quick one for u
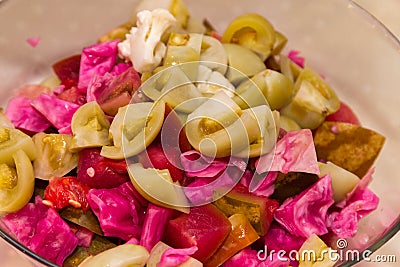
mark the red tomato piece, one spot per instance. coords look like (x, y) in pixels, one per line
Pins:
(344, 114)
(99, 172)
(64, 191)
(205, 227)
(67, 70)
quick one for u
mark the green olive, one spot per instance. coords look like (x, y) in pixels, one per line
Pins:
(119, 256)
(157, 187)
(252, 31)
(268, 85)
(117, 33)
(54, 155)
(134, 127)
(213, 51)
(183, 47)
(289, 68)
(288, 124)
(243, 61)
(90, 127)
(12, 140)
(219, 128)
(16, 184)
(314, 100)
(280, 42)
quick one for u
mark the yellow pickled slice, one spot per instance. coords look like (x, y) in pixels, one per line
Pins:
(134, 127)
(90, 127)
(177, 8)
(243, 61)
(268, 132)
(16, 184)
(157, 187)
(12, 140)
(118, 32)
(315, 253)
(183, 47)
(314, 100)
(219, 128)
(54, 156)
(343, 181)
(174, 86)
(288, 124)
(252, 31)
(127, 255)
(275, 88)
(51, 81)
(280, 42)
(213, 51)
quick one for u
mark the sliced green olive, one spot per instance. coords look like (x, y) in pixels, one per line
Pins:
(117, 33)
(218, 127)
(314, 100)
(268, 132)
(16, 183)
(90, 127)
(157, 187)
(177, 8)
(12, 140)
(280, 42)
(174, 86)
(54, 155)
(289, 68)
(243, 61)
(343, 181)
(252, 31)
(183, 47)
(275, 88)
(51, 82)
(213, 51)
(134, 127)
(209, 82)
(127, 255)
(5, 121)
(288, 124)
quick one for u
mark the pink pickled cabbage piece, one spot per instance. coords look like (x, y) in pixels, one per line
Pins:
(172, 257)
(344, 223)
(42, 230)
(306, 213)
(265, 187)
(358, 203)
(97, 59)
(201, 190)
(84, 235)
(294, 152)
(59, 112)
(133, 241)
(198, 165)
(33, 41)
(277, 238)
(98, 83)
(117, 210)
(294, 56)
(245, 258)
(155, 223)
(24, 116)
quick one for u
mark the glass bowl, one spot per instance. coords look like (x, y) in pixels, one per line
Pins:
(358, 56)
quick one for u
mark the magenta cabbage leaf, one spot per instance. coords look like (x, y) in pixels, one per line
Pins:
(172, 257)
(42, 230)
(306, 213)
(118, 210)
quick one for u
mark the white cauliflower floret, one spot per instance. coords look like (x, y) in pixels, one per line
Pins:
(143, 46)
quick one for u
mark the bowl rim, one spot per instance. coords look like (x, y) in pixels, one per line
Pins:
(386, 236)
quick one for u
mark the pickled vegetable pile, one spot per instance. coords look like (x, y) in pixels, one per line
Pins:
(166, 143)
